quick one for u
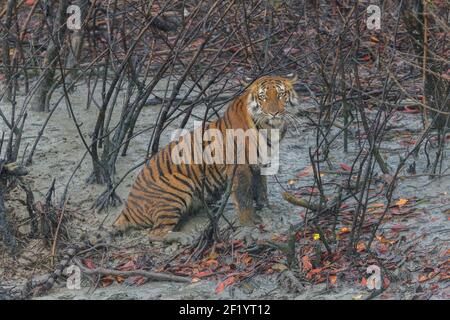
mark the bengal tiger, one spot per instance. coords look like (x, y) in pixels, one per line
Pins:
(164, 192)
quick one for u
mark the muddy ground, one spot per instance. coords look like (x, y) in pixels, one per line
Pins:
(426, 228)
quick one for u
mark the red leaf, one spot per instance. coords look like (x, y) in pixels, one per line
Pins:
(306, 263)
(130, 265)
(305, 172)
(386, 282)
(203, 274)
(221, 286)
(345, 167)
(364, 282)
(412, 109)
(88, 263)
(313, 272)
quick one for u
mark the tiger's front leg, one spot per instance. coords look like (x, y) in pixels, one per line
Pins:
(242, 193)
(259, 186)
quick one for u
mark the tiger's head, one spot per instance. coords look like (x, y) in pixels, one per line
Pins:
(269, 98)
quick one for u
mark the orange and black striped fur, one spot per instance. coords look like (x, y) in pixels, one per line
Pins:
(165, 192)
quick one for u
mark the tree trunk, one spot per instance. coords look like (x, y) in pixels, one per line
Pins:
(50, 62)
(7, 69)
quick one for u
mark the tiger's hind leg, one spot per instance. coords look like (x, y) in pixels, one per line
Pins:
(165, 222)
(131, 219)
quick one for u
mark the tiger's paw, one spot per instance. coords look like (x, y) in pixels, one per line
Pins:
(170, 237)
(249, 219)
(261, 202)
(179, 237)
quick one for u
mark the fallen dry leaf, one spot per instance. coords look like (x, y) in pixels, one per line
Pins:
(360, 247)
(279, 267)
(382, 239)
(107, 281)
(306, 263)
(386, 282)
(222, 285)
(364, 282)
(203, 274)
(401, 202)
(344, 230)
(130, 265)
(88, 263)
(345, 167)
(305, 172)
(333, 279)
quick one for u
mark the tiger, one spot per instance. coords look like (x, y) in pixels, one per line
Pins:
(165, 192)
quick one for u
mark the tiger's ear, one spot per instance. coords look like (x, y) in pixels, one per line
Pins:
(292, 77)
(246, 81)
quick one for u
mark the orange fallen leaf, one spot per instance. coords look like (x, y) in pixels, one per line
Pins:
(212, 263)
(344, 230)
(333, 279)
(401, 202)
(203, 274)
(360, 247)
(306, 263)
(247, 260)
(213, 255)
(382, 239)
(423, 278)
(228, 281)
(107, 281)
(313, 272)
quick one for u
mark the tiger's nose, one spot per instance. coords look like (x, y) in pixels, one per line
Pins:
(274, 113)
